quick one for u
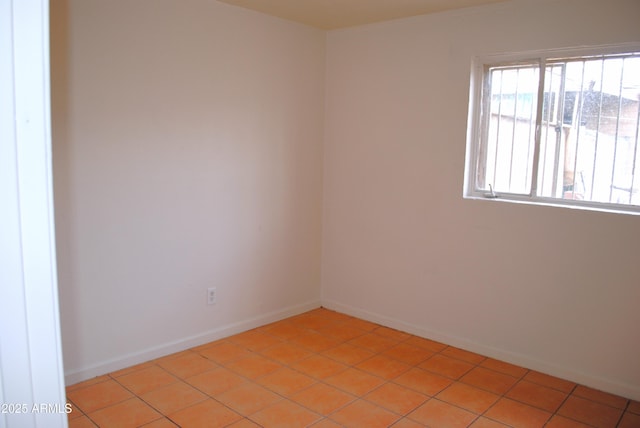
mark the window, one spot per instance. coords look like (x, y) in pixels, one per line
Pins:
(560, 128)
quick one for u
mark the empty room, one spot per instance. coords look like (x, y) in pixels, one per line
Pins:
(384, 213)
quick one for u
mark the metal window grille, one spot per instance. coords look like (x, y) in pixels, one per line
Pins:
(562, 128)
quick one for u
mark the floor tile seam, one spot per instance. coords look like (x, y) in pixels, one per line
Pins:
(342, 339)
(416, 390)
(519, 378)
(252, 349)
(395, 341)
(222, 363)
(354, 398)
(504, 395)
(313, 377)
(357, 396)
(432, 373)
(477, 418)
(361, 398)
(74, 405)
(419, 366)
(92, 421)
(176, 380)
(321, 416)
(340, 322)
(390, 337)
(469, 410)
(485, 414)
(430, 349)
(244, 357)
(571, 419)
(282, 366)
(317, 329)
(572, 394)
(375, 351)
(324, 417)
(567, 394)
(254, 382)
(435, 353)
(212, 396)
(600, 402)
(422, 361)
(501, 422)
(266, 330)
(393, 411)
(86, 413)
(385, 380)
(297, 345)
(247, 379)
(140, 395)
(319, 350)
(75, 388)
(207, 396)
(551, 414)
(238, 412)
(411, 364)
(635, 412)
(575, 385)
(476, 415)
(622, 415)
(315, 382)
(174, 421)
(318, 381)
(484, 357)
(323, 354)
(315, 353)
(270, 359)
(436, 398)
(183, 377)
(396, 422)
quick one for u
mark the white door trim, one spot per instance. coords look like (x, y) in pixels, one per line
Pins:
(31, 370)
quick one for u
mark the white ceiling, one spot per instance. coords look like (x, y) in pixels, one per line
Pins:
(332, 14)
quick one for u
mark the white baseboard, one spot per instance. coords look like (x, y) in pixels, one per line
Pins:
(602, 384)
(108, 366)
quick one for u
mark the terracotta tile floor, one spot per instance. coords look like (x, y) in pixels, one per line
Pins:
(326, 369)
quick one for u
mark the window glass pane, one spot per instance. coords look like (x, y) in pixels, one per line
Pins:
(589, 146)
(510, 129)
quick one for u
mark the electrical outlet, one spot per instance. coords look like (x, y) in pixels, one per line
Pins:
(211, 296)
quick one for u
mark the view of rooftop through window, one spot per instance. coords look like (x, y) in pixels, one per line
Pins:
(588, 129)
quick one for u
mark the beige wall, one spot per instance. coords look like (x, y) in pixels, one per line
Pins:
(551, 288)
(187, 154)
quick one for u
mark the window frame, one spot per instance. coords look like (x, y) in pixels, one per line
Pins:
(477, 126)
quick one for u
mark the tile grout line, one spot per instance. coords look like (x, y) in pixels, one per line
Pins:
(624, 411)
(314, 323)
(354, 366)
